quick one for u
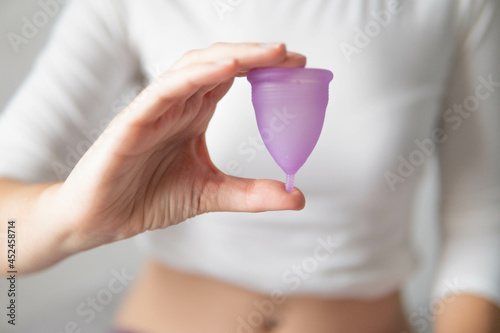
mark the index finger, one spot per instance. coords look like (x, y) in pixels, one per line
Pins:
(175, 87)
(248, 55)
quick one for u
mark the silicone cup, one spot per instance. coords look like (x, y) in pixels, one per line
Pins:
(290, 105)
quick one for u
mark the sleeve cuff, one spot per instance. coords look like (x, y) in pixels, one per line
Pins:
(470, 265)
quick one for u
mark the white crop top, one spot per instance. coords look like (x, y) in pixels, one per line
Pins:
(413, 80)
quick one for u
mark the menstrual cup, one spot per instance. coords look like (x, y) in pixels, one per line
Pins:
(290, 105)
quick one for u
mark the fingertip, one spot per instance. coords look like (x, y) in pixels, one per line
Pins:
(281, 50)
(274, 46)
(294, 60)
(278, 50)
(281, 47)
(301, 60)
(295, 55)
(271, 195)
(300, 199)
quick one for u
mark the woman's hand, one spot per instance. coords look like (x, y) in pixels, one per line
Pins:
(150, 169)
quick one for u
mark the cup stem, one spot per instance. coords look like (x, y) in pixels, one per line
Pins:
(289, 182)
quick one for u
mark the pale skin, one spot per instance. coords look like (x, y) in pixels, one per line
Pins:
(151, 169)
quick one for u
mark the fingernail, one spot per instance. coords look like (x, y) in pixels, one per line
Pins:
(272, 45)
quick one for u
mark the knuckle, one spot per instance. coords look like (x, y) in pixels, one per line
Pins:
(161, 95)
(190, 53)
(217, 44)
(191, 83)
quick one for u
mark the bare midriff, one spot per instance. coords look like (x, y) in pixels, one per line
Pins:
(166, 300)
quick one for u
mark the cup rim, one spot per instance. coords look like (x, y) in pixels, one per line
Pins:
(282, 74)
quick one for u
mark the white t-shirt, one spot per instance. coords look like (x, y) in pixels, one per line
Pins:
(413, 80)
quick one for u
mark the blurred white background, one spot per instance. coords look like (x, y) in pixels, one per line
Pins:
(48, 301)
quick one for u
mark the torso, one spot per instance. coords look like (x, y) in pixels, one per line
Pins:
(383, 97)
(166, 300)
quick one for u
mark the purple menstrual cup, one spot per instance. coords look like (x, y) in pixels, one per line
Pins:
(290, 105)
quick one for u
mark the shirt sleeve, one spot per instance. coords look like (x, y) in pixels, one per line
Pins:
(70, 94)
(470, 162)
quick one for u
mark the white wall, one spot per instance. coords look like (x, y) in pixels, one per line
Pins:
(48, 301)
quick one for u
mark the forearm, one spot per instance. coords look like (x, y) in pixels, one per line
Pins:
(467, 313)
(40, 238)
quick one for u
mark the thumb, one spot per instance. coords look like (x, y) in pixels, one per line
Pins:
(233, 194)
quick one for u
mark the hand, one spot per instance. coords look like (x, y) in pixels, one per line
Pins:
(150, 169)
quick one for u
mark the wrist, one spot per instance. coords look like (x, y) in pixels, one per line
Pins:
(48, 232)
(67, 218)
(62, 220)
